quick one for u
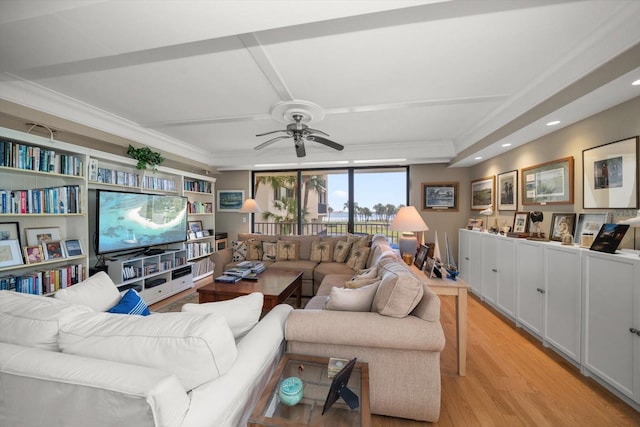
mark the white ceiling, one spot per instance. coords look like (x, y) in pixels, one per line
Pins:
(424, 81)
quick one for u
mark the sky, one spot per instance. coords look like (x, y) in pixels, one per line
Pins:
(370, 189)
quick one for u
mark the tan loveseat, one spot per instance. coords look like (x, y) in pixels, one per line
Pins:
(302, 259)
(400, 337)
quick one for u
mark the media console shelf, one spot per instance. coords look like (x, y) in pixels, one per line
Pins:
(155, 277)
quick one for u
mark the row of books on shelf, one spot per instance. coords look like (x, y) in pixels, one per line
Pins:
(202, 266)
(43, 282)
(157, 183)
(200, 207)
(52, 200)
(197, 249)
(130, 272)
(113, 176)
(197, 186)
(20, 156)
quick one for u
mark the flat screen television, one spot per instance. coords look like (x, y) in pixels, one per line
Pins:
(127, 221)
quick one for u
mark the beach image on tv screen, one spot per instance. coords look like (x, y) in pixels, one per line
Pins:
(134, 220)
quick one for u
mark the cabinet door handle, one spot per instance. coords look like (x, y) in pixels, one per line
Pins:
(634, 331)
(540, 290)
(467, 258)
(495, 270)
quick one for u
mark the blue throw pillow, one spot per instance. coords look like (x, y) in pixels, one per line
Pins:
(131, 303)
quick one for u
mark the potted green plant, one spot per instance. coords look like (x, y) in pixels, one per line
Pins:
(145, 157)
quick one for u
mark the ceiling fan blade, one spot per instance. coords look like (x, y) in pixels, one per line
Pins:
(326, 142)
(273, 131)
(316, 131)
(300, 151)
(269, 142)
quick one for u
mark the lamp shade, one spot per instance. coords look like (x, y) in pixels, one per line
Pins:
(408, 219)
(250, 206)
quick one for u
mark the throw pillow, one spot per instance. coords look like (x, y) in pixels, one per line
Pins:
(131, 303)
(239, 251)
(242, 313)
(269, 251)
(254, 250)
(321, 251)
(399, 291)
(196, 348)
(360, 299)
(358, 257)
(358, 283)
(286, 250)
(341, 251)
(368, 273)
(98, 292)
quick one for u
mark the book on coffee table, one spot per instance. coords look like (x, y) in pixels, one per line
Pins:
(228, 279)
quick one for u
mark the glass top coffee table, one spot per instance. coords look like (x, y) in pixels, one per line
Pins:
(313, 371)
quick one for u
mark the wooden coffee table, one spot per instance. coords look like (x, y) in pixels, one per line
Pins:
(276, 286)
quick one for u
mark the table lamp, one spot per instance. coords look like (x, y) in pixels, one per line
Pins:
(408, 221)
(250, 206)
(635, 223)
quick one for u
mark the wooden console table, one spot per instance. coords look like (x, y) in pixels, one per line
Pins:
(457, 288)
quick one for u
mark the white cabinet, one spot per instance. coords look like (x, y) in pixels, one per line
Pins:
(464, 258)
(489, 268)
(612, 321)
(562, 299)
(530, 294)
(506, 274)
(470, 256)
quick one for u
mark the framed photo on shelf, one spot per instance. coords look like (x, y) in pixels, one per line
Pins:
(609, 237)
(474, 223)
(548, 183)
(10, 231)
(507, 191)
(10, 253)
(589, 223)
(72, 247)
(195, 226)
(33, 254)
(42, 235)
(561, 223)
(230, 200)
(482, 195)
(440, 196)
(53, 250)
(421, 256)
(611, 175)
(520, 222)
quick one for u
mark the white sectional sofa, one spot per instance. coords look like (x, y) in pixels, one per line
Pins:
(63, 363)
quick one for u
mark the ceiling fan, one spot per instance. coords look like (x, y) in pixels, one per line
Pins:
(299, 132)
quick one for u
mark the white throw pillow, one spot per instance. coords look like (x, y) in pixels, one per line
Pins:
(242, 313)
(358, 299)
(98, 292)
(194, 347)
(34, 321)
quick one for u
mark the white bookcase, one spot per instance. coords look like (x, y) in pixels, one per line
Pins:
(84, 170)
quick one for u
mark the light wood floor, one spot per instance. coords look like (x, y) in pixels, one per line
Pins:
(511, 380)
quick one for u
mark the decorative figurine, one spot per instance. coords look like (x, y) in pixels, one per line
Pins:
(536, 220)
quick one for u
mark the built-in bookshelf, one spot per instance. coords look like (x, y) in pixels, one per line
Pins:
(50, 185)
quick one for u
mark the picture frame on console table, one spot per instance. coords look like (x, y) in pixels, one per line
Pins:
(589, 223)
(421, 256)
(440, 196)
(609, 238)
(520, 222)
(507, 191)
(482, 193)
(548, 183)
(611, 175)
(557, 221)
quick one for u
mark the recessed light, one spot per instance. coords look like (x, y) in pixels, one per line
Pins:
(553, 123)
(478, 158)
(506, 145)
(636, 83)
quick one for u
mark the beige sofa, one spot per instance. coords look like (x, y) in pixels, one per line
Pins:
(312, 271)
(400, 337)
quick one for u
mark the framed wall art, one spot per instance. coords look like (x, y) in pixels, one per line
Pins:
(9, 231)
(548, 183)
(507, 191)
(195, 226)
(440, 196)
(520, 222)
(561, 223)
(611, 175)
(10, 253)
(482, 193)
(589, 223)
(42, 235)
(230, 200)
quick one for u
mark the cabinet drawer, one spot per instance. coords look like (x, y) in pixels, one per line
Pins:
(155, 294)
